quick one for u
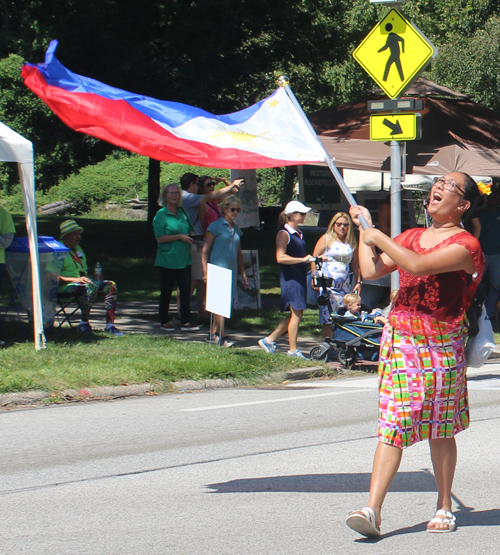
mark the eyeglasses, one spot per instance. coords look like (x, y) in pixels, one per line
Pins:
(301, 213)
(448, 184)
(341, 225)
(235, 210)
(172, 193)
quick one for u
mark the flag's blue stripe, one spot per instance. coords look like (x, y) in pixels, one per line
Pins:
(170, 113)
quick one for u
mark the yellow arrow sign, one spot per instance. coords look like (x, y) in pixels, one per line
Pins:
(393, 53)
(395, 127)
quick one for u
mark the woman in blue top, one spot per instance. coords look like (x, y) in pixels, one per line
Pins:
(292, 258)
(171, 227)
(222, 248)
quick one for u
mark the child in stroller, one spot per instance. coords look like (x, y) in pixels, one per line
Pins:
(355, 334)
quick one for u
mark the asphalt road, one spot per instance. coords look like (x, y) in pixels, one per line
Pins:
(235, 472)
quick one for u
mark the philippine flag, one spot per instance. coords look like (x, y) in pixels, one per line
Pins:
(270, 133)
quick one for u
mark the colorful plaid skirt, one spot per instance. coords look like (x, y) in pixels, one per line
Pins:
(422, 380)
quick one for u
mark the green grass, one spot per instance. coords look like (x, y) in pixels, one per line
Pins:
(75, 361)
(126, 251)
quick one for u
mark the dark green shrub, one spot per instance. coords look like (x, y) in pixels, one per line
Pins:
(121, 175)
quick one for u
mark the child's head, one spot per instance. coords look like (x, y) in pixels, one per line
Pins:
(352, 301)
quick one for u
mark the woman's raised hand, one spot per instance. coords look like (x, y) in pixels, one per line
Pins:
(356, 211)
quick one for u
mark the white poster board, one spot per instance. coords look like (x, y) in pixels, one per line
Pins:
(249, 216)
(219, 290)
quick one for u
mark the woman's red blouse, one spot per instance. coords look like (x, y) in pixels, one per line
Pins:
(445, 296)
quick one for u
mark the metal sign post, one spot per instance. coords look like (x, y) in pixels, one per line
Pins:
(393, 54)
(395, 200)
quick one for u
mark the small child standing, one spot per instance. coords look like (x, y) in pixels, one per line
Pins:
(352, 302)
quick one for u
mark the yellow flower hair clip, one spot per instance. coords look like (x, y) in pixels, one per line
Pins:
(483, 188)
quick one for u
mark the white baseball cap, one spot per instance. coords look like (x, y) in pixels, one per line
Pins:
(296, 206)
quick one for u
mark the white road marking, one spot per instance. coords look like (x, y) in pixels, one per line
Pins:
(488, 383)
(281, 400)
(357, 383)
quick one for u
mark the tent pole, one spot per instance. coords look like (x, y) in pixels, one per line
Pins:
(283, 82)
(27, 177)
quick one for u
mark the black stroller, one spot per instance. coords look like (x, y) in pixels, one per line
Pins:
(352, 339)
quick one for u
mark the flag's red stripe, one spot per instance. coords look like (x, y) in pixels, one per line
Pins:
(119, 123)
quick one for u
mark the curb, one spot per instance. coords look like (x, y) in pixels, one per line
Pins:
(34, 398)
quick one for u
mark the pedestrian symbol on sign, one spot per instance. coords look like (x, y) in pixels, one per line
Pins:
(393, 42)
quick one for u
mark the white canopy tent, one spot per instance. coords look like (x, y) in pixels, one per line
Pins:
(15, 148)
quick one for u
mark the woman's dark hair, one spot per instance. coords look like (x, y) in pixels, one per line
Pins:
(472, 194)
(201, 183)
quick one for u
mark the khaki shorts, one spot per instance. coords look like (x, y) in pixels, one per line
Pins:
(196, 268)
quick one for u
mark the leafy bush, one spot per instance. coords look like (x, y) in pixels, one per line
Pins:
(270, 184)
(59, 151)
(123, 175)
(120, 175)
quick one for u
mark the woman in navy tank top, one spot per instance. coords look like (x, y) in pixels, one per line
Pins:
(292, 257)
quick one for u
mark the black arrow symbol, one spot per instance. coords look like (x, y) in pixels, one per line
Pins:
(395, 127)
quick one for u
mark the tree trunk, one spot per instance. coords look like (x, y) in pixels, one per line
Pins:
(153, 192)
(290, 172)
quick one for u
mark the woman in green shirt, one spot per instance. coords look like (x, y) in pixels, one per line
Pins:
(171, 227)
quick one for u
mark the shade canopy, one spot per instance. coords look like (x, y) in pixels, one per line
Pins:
(457, 135)
(15, 148)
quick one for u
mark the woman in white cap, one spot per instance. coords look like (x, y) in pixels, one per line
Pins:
(292, 257)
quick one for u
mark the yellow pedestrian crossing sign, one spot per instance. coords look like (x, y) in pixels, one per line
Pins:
(393, 53)
(395, 127)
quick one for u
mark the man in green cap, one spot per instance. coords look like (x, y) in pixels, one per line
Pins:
(74, 280)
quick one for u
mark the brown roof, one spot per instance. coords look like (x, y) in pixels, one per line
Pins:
(457, 135)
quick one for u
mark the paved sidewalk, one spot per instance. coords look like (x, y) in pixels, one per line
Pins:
(142, 317)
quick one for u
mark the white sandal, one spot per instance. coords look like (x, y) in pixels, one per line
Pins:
(448, 518)
(364, 522)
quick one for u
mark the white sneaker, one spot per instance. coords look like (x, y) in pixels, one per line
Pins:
(296, 354)
(225, 342)
(267, 345)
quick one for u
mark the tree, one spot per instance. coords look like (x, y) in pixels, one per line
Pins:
(471, 66)
(59, 151)
(221, 55)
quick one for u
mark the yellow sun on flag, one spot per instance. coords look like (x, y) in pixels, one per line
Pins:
(239, 136)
